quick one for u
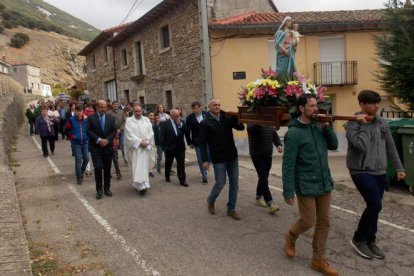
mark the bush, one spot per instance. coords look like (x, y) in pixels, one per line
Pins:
(1, 28)
(19, 40)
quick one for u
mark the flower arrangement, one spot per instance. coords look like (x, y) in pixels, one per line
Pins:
(269, 90)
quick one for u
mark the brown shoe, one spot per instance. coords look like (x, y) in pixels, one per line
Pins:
(289, 247)
(210, 207)
(322, 265)
(233, 214)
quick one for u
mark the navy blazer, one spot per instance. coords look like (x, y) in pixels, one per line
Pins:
(192, 133)
(94, 130)
(169, 140)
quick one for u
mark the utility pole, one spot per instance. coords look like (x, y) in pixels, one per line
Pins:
(205, 52)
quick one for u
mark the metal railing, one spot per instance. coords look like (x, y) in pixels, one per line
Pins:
(335, 73)
(396, 114)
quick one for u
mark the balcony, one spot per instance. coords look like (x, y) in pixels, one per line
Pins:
(335, 73)
(137, 78)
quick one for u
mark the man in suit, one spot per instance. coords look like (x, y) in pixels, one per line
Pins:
(192, 135)
(172, 140)
(101, 131)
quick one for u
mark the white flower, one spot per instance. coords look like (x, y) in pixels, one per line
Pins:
(258, 82)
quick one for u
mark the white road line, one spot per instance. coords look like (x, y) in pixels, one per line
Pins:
(105, 224)
(54, 168)
(357, 214)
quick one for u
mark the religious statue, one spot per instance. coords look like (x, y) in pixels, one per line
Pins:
(285, 50)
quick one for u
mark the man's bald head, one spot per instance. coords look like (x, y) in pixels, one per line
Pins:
(101, 106)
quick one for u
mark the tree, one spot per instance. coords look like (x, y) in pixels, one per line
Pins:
(19, 40)
(396, 52)
(58, 88)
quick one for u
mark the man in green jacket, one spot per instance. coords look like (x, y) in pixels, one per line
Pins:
(305, 172)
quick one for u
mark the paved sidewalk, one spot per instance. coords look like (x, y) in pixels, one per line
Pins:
(14, 254)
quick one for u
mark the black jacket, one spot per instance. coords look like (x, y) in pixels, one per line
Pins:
(262, 139)
(218, 135)
(94, 131)
(193, 129)
(168, 139)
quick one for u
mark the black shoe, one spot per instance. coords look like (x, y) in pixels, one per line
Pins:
(184, 184)
(99, 195)
(143, 191)
(45, 155)
(125, 162)
(79, 180)
(118, 177)
(151, 174)
(167, 179)
(205, 180)
(53, 152)
(108, 193)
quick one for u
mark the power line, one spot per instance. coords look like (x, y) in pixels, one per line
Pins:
(131, 10)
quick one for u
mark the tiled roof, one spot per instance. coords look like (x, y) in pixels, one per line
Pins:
(317, 17)
(103, 37)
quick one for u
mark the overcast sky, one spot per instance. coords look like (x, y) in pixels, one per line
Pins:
(104, 14)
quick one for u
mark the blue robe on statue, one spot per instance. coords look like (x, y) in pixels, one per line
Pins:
(285, 65)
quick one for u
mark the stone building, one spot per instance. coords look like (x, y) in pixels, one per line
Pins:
(28, 76)
(163, 57)
(4, 67)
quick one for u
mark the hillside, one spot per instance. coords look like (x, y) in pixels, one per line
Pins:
(55, 54)
(41, 15)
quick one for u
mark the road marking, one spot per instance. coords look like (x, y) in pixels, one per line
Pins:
(105, 224)
(52, 164)
(357, 214)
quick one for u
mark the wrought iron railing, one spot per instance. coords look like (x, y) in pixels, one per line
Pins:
(335, 73)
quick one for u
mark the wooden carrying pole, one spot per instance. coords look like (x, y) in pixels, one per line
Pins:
(331, 118)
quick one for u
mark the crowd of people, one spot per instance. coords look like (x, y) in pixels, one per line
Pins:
(100, 130)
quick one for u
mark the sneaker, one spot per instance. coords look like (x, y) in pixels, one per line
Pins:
(204, 181)
(376, 250)
(260, 202)
(79, 180)
(362, 249)
(272, 209)
(233, 214)
(210, 207)
(322, 265)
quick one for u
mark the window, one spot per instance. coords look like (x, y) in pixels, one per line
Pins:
(126, 95)
(15, 70)
(124, 58)
(138, 59)
(93, 62)
(142, 100)
(110, 88)
(168, 100)
(165, 37)
(106, 54)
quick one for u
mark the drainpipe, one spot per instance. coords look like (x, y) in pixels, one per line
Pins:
(205, 52)
(116, 85)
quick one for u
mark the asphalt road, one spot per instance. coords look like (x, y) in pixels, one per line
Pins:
(170, 232)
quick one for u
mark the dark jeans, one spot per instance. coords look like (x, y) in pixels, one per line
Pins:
(51, 140)
(180, 158)
(371, 187)
(56, 128)
(102, 160)
(263, 165)
(32, 126)
(62, 127)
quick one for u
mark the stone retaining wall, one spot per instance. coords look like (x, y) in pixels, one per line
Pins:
(14, 253)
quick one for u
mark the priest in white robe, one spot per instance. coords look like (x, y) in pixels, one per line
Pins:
(139, 143)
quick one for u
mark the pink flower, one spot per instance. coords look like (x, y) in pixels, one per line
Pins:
(291, 90)
(300, 77)
(266, 74)
(242, 94)
(321, 93)
(260, 92)
(272, 92)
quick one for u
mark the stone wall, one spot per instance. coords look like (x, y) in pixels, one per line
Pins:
(177, 68)
(14, 254)
(219, 9)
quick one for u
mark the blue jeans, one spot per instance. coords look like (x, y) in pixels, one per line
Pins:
(81, 158)
(371, 187)
(200, 162)
(121, 143)
(159, 158)
(220, 170)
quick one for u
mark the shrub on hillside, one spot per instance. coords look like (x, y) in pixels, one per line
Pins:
(19, 40)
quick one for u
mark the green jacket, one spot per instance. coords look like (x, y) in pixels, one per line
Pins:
(305, 169)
